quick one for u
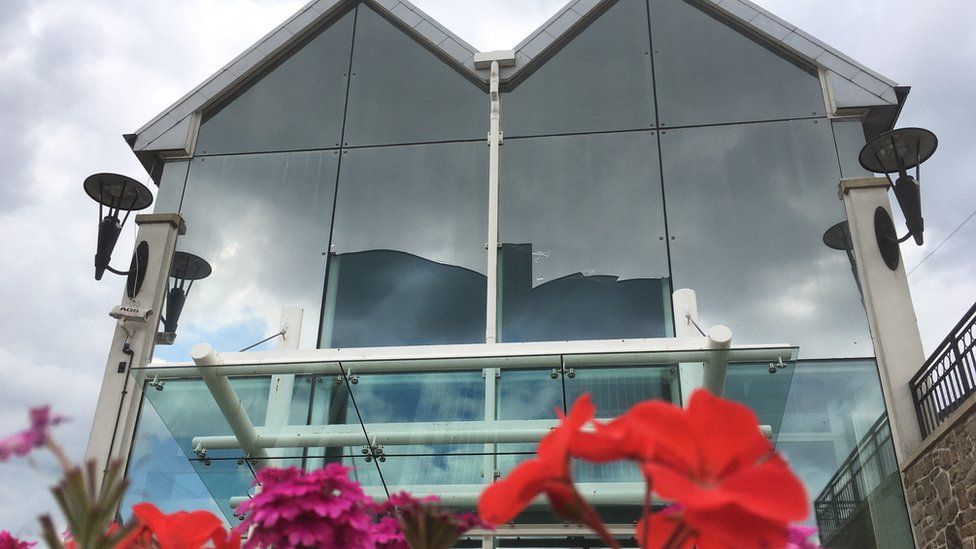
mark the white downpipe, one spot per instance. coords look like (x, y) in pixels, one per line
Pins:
(494, 146)
(227, 400)
(283, 386)
(720, 339)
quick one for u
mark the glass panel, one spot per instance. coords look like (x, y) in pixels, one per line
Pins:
(171, 185)
(189, 410)
(615, 390)
(285, 202)
(412, 472)
(159, 471)
(746, 235)
(578, 90)
(529, 394)
(834, 433)
(403, 93)
(425, 397)
(710, 72)
(849, 137)
(410, 233)
(569, 271)
(763, 392)
(298, 104)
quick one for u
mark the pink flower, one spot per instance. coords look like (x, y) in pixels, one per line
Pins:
(388, 535)
(7, 541)
(320, 509)
(799, 537)
(20, 444)
(412, 522)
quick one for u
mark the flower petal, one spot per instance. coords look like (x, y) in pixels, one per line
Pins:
(769, 489)
(728, 433)
(505, 499)
(732, 528)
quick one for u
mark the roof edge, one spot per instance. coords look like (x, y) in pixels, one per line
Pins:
(166, 133)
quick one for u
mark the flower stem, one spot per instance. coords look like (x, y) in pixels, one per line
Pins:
(678, 537)
(59, 453)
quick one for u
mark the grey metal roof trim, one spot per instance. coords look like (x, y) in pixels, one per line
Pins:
(171, 133)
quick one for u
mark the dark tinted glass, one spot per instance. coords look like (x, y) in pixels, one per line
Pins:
(403, 93)
(708, 71)
(580, 89)
(409, 245)
(296, 105)
(849, 137)
(747, 206)
(262, 222)
(171, 184)
(582, 227)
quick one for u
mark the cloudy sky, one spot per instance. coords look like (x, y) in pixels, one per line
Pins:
(75, 75)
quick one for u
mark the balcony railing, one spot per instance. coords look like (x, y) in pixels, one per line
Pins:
(862, 472)
(948, 377)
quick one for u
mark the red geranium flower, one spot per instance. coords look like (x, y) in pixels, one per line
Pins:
(711, 459)
(180, 530)
(548, 473)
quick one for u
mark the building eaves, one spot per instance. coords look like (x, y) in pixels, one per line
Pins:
(171, 126)
(171, 133)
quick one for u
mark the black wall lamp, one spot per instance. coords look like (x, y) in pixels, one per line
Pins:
(118, 193)
(186, 269)
(838, 237)
(897, 152)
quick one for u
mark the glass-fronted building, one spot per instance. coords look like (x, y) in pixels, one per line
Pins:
(341, 165)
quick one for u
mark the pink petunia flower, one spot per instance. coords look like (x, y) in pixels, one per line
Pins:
(412, 522)
(36, 436)
(323, 509)
(799, 537)
(7, 541)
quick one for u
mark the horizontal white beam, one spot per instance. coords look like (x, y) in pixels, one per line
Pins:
(394, 434)
(388, 434)
(542, 355)
(466, 495)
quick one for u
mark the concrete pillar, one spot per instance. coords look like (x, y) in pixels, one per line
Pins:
(132, 346)
(891, 315)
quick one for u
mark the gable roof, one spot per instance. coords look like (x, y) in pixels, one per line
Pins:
(852, 86)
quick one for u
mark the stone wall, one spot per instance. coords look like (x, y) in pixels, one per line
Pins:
(940, 483)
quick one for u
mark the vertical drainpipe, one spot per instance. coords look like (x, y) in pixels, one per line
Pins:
(492, 61)
(494, 146)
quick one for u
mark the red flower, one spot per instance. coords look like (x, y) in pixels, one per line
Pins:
(711, 459)
(180, 530)
(548, 473)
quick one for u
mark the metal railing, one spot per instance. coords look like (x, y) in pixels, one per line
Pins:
(867, 466)
(948, 377)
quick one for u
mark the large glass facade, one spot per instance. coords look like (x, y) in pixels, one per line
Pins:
(658, 147)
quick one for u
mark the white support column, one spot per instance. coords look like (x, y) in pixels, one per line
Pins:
(231, 406)
(132, 346)
(494, 153)
(283, 386)
(891, 315)
(685, 306)
(720, 339)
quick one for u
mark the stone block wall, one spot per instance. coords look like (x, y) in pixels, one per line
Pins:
(940, 484)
